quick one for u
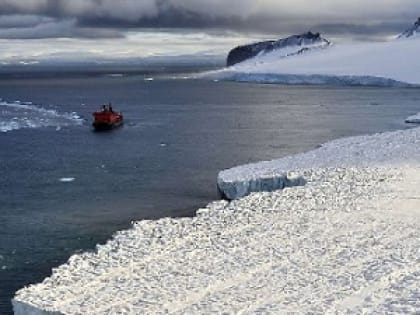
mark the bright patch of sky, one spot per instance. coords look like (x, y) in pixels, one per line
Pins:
(135, 45)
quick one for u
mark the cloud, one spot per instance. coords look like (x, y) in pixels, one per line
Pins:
(37, 27)
(15, 21)
(127, 10)
(23, 6)
(43, 29)
(271, 16)
(124, 10)
(131, 10)
(106, 29)
(133, 48)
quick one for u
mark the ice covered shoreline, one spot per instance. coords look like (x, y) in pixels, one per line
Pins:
(362, 151)
(306, 79)
(346, 240)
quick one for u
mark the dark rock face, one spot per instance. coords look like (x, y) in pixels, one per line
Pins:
(242, 53)
(415, 29)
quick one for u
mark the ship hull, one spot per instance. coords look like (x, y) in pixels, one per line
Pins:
(104, 126)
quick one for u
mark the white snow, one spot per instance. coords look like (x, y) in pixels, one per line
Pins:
(292, 50)
(381, 149)
(347, 242)
(415, 119)
(393, 63)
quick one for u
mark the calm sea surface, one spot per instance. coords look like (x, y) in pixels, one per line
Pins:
(64, 188)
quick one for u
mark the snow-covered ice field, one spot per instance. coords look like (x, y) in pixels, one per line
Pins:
(347, 241)
(391, 63)
(363, 151)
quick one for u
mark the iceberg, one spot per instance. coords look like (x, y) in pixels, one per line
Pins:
(415, 119)
(67, 179)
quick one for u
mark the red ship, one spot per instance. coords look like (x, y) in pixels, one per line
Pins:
(107, 119)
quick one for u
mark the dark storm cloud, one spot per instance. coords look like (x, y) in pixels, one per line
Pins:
(79, 18)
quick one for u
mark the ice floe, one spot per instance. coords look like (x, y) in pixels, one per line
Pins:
(415, 119)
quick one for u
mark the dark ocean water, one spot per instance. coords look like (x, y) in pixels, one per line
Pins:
(163, 162)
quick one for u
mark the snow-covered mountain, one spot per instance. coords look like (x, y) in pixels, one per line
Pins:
(391, 63)
(295, 44)
(412, 31)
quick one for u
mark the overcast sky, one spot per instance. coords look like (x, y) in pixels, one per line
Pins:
(118, 19)
(110, 18)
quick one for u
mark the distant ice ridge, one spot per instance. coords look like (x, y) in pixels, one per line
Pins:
(18, 115)
(392, 63)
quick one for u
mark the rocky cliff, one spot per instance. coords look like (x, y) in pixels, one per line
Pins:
(412, 31)
(291, 45)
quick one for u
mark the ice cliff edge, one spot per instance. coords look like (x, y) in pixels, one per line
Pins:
(269, 182)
